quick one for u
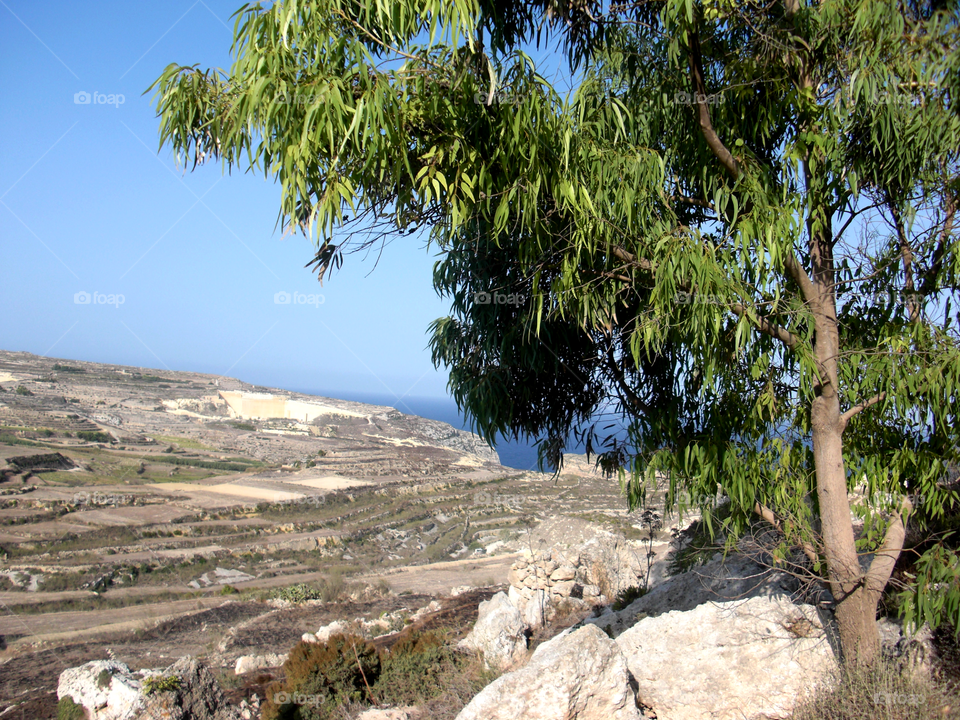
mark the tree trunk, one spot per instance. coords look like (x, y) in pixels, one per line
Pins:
(856, 608)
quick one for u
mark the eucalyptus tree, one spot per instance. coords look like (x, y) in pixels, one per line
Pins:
(736, 234)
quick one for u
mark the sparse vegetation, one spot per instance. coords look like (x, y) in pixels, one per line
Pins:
(882, 692)
(184, 442)
(67, 709)
(160, 683)
(627, 596)
(327, 676)
(95, 436)
(21, 390)
(67, 368)
(420, 669)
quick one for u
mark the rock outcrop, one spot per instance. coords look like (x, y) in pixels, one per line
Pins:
(580, 675)
(108, 690)
(735, 577)
(576, 560)
(249, 663)
(387, 714)
(499, 634)
(742, 660)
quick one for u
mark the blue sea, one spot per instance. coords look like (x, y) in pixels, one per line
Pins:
(519, 455)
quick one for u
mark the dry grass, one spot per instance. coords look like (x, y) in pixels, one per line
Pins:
(881, 693)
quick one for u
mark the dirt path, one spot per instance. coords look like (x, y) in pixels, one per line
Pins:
(70, 625)
(440, 578)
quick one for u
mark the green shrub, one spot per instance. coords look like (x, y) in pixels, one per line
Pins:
(205, 464)
(322, 677)
(324, 680)
(67, 368)
(160, 683)
(627, 596)
(67, 709)
(415, 670)
(229, 590)
(297, 593)
(21, 390)
(104, 679)
(328, 590)
(95, 436)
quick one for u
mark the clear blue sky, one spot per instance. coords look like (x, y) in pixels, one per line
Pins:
(87, 205)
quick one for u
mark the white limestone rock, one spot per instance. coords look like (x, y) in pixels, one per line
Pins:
(499, 634)
(105, 688)
(579, 675)
(742, 660)
(249, 663)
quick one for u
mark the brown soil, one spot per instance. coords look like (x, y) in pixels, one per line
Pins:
(28, 676)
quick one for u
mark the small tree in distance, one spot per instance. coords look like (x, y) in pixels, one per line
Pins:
(737, 235)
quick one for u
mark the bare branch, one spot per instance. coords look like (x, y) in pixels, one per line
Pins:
(799, 274)
(629, 257)
(765, 326)
(768, 515)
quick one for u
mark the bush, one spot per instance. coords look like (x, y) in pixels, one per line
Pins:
(297, 593)
(627, 596)
(329, 590)
(21, 390)
(94, 436)
(321, 677)
(415, 670)
(67, 709)
(159, 683)
(205, 464)
(332, 588)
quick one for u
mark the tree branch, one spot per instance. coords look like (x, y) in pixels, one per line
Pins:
(859, 408)
(765, 326)
(799, 274)
(629, 257)
(768, 515)
(703, 111)
(881, 567)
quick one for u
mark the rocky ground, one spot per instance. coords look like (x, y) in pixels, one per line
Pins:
(141, 514)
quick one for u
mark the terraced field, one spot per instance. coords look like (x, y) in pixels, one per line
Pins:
(138, 506)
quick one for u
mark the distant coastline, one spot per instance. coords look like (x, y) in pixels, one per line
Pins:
(519, 455)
